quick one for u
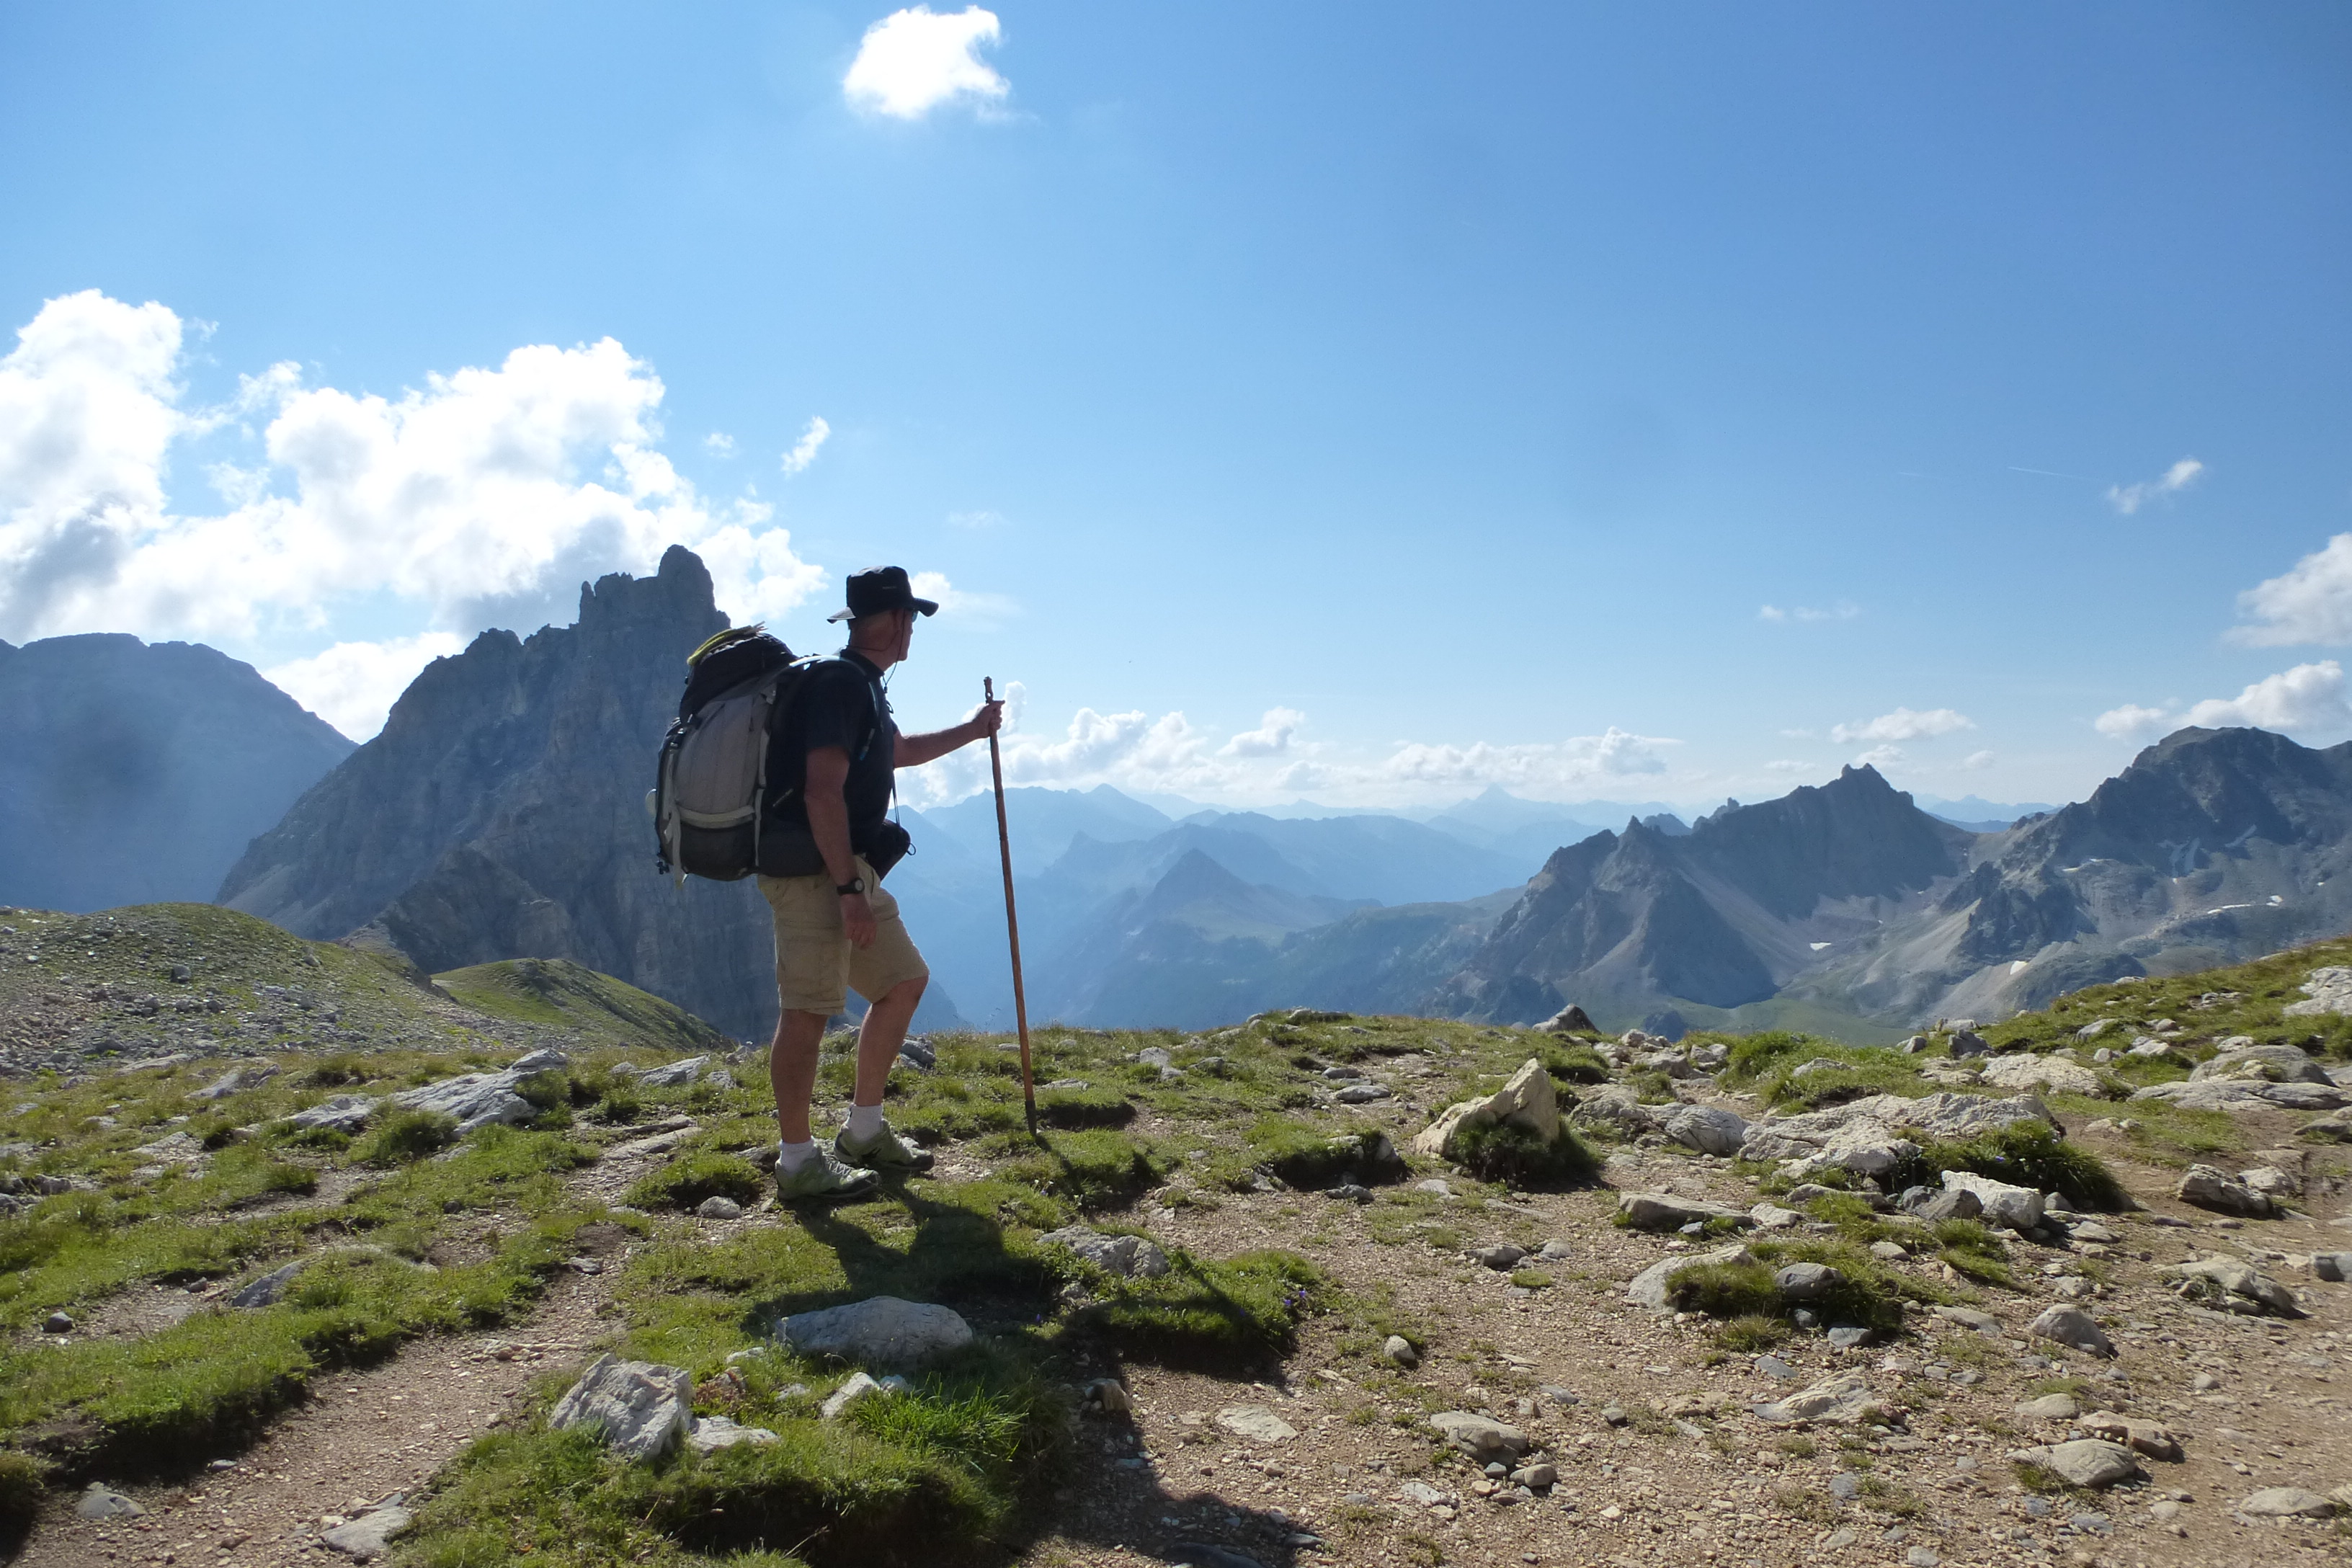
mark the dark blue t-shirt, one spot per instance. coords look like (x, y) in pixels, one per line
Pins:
(842, 705)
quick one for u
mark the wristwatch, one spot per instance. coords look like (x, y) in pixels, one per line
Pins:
(855, 885)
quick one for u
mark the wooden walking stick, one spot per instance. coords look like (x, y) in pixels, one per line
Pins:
(1011, 922)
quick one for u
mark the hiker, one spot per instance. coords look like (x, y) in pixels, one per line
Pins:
(840, 927)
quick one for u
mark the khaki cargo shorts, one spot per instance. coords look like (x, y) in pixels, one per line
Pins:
(816, 965)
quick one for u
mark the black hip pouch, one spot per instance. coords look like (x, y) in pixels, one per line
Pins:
(892, 844)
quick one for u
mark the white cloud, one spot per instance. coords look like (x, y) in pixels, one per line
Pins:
(805, 449)
(719, 444)
(975, 611)
(1879, 757)
(2308, 697)
(2129, 498)
(484, 498)
(1842, 611)
(1786, 765)
(353, 685)
(2132, 723)
(1976, 762)
(1271, 738)
(1903, 724)
(2310, 603)
(982, 519)
(1618, 753)
(914, 60)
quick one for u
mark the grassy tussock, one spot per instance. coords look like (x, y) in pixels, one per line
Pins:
(1516, 1157)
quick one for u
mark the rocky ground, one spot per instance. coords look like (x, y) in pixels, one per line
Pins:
(1473, 1383)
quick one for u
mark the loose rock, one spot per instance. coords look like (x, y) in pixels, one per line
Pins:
(1129, 1257)
(1488, 1441)
(2085, 1462)
(712, 1433)
(881, 1331)
(1665, 1211)
(1844, 1400)
(2071, 1327)
(1528, 1101)
(2212, 1189)
(1256, 1422)
(370, 1535)
(642, 1408)
(2286, 1502)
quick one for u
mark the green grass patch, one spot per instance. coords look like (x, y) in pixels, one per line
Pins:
(2033, 1154)
(1074, 1108)
(1520, 1157)
(697, 1173)
(1309, 1158)
(404, 1137)
(1750, 1334)
(1242, 1311)
(1095, 1169)
(1573, 1062)
(23, 1481)
(1972, 1249)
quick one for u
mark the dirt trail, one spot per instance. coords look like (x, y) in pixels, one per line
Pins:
(361, 1437)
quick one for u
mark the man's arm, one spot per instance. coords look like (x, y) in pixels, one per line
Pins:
(828, 820)
(914, 751)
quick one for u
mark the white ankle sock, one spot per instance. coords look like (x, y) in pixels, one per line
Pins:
(865, 1121)
(790, 1157)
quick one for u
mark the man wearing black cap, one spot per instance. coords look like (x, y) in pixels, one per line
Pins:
(839, 929)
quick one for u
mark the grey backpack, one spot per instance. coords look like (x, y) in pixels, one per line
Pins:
(712, 800)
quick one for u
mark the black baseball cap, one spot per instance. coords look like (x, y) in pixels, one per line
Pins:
(880, 588)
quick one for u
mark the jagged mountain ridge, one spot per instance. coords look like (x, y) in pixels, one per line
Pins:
(502, 814)
(1724, 915)
(2213, 845)
(138, 772)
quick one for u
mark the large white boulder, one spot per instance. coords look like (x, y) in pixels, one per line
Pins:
(476, 1100)
(1528, 1101)
(1706, 1128)
(2005, 1204)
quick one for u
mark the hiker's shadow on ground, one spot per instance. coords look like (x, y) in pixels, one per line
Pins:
(1113, 1494)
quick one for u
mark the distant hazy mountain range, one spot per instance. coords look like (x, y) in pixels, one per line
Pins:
(136, 773)
(500, 813)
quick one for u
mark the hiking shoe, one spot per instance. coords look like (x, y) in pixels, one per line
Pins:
(886, 1152)
(823, 1177)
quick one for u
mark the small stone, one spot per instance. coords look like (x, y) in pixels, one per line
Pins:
(2049, 1408)
(2084, 1462)
(1129, 1257)
(1108, 1396)
(1479, 1437)
(718, 1207)
(1806, 1281)
(1969, 1317)
(1256, 1422)
(2286, 1502)
(641, 1409)
(370, 1535)
(1845, 1399)
(712, 1433)
(99, 1501)
(674, 1075)
(1363, 1093)
(2335, 1266)
(57, 1323)
(1499, 1257)
(1614, 1415)
(860, 1387)
(1400, 1349)
(1845, 1487)
(1537, 1477)
(1773, 1367)
(1888, 1251)
(881, 1331)
(2071, 1327)
(1665, 1211)
(1846, 1338)
(1921, 1557)
(2208, 1188)
(1200, 1554)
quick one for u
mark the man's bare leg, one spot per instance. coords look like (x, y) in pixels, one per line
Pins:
(792, 1071)
(881, 1034)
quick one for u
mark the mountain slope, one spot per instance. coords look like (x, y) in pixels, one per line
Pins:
(2213, 845)
(502, 814)
(1724, 915)
(138, 772)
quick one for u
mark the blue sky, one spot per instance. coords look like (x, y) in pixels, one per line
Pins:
(1364, 402)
